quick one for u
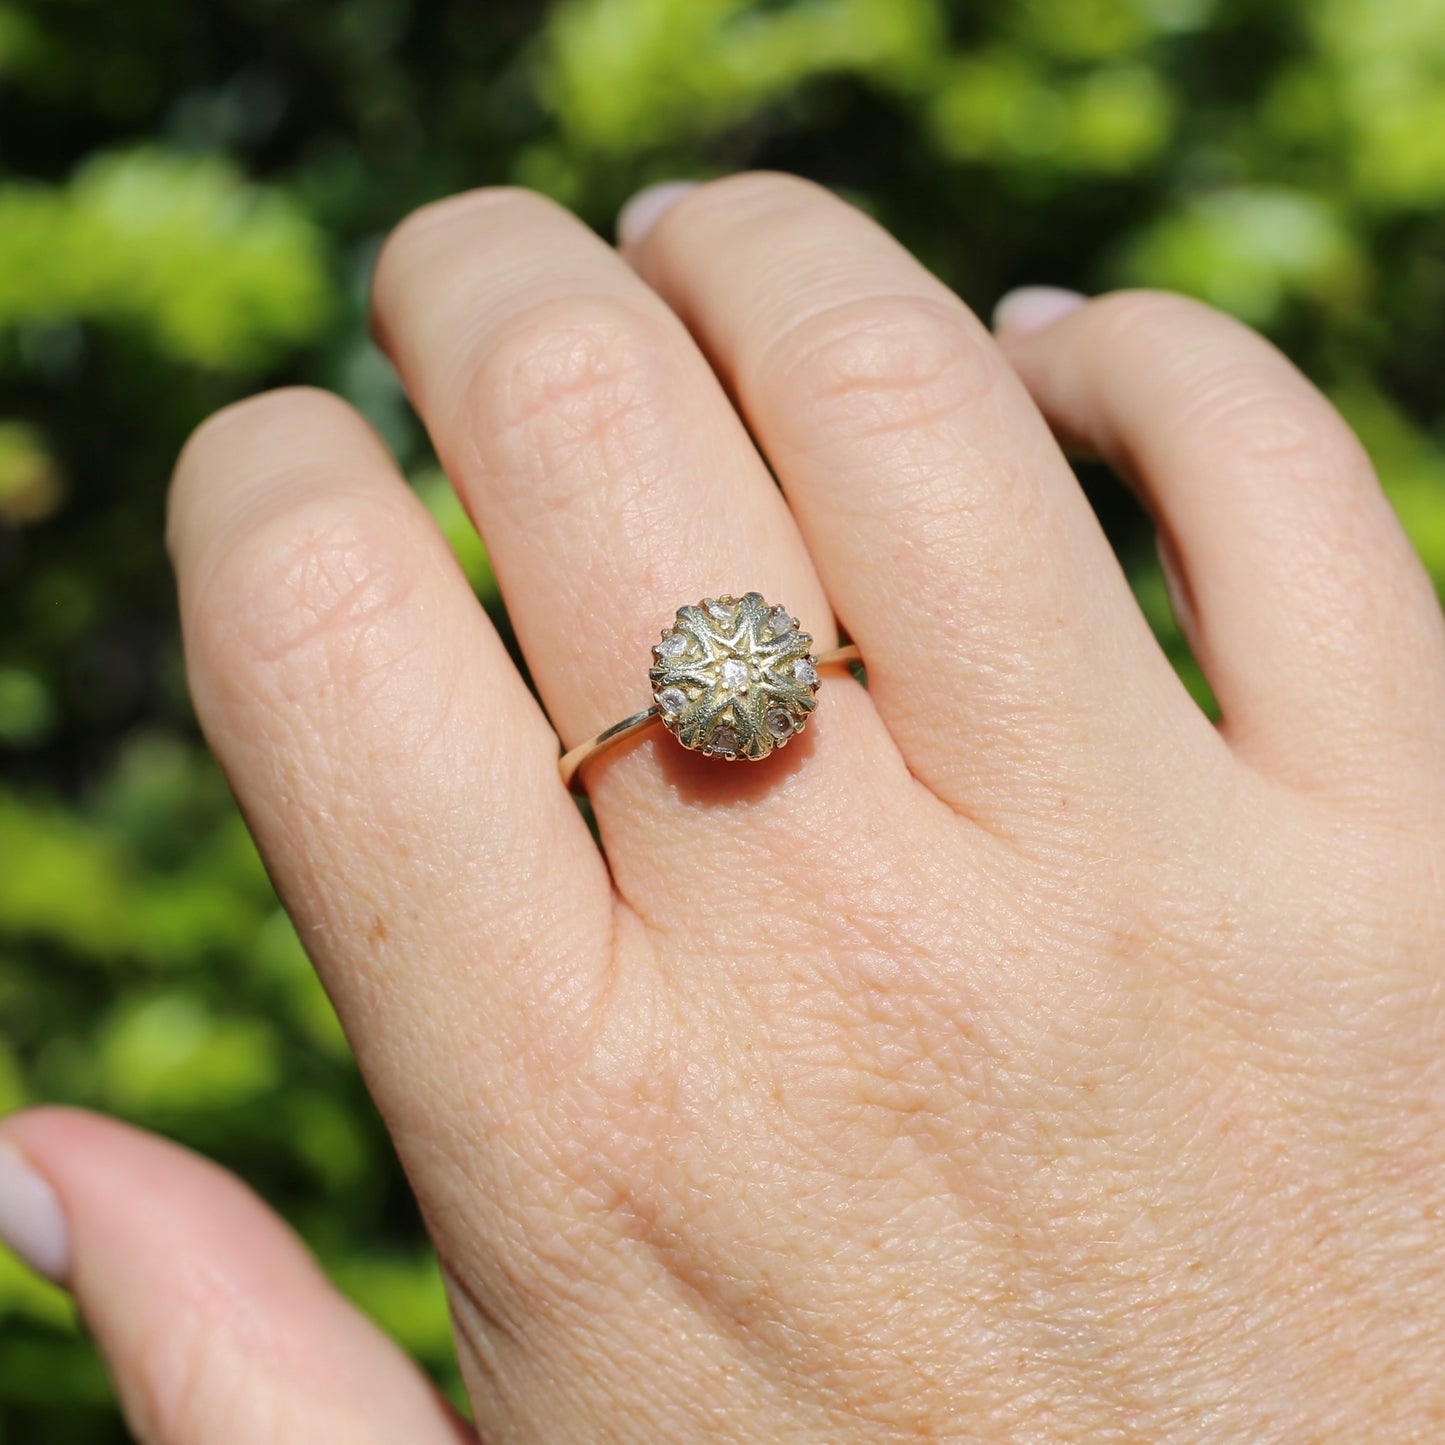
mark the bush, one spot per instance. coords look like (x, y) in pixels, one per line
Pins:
(190, 201)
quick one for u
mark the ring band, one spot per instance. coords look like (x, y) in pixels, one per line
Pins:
(732, 678)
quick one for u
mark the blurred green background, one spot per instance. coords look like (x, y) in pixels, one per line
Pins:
(191, 195)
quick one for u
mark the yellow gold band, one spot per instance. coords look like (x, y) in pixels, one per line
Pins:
(639, 722)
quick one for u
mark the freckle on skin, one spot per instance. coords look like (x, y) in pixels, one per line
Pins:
(377, 932)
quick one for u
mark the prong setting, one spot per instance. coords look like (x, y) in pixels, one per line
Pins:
(734, 677)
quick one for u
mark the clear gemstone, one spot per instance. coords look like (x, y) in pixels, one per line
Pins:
(739, 671)
(779, 721)
(724, 739)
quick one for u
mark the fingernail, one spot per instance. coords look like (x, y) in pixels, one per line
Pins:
(641, 213)
(1031, 308)
(31, 1220)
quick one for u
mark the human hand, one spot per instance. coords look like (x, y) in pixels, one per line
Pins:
(1014, 1057)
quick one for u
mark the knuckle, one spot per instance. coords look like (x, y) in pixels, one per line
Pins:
(756, 197)
(1140, 314)
(208, 1373)
(433, 224)
(1140, 323)
(1247, 401)
(1248, 405)
(780, 212)
(291, 422)
(1288, 430)
(314, 599)
(1309, 482)
(568, 393)
(284, 406)
(285, 416)
(883, 366)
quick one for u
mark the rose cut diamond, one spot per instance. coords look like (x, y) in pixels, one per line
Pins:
(724, 739)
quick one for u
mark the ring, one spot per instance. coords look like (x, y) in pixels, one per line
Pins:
(730, 678)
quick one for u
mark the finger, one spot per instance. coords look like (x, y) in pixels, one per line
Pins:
(613, 483)
(214, 1320)
(1306, 606)
(1004, 649)
(398, 776)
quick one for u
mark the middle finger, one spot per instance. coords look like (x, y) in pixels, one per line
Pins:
(613, 483)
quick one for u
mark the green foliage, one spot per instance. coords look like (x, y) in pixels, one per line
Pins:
(1383, 69)
(1007, 108)
(625, 76)
(210, 270)
(29, 488)
(190, 200)
(1250, 252)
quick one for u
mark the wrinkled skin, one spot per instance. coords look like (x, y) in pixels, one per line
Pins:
(1016, 1057)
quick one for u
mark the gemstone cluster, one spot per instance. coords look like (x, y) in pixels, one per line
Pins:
(734, 678)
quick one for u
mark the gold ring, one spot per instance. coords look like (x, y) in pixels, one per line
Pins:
(731, 678)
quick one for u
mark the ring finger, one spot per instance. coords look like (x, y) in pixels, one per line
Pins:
(612, 482)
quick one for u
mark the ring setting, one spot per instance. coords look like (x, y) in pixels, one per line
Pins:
(733, 678)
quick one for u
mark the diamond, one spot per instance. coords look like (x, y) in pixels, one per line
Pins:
(672, 700)
(734, 674)
(719, 610)
(781, 621)
(779, 722)
(805, 673)
(673, 645)
(724, 740)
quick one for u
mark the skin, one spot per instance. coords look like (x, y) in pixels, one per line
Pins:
(1017, 1057)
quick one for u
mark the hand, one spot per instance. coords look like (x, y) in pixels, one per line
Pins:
(1015, 1057)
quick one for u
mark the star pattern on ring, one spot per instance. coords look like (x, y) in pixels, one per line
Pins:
(734, 679)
